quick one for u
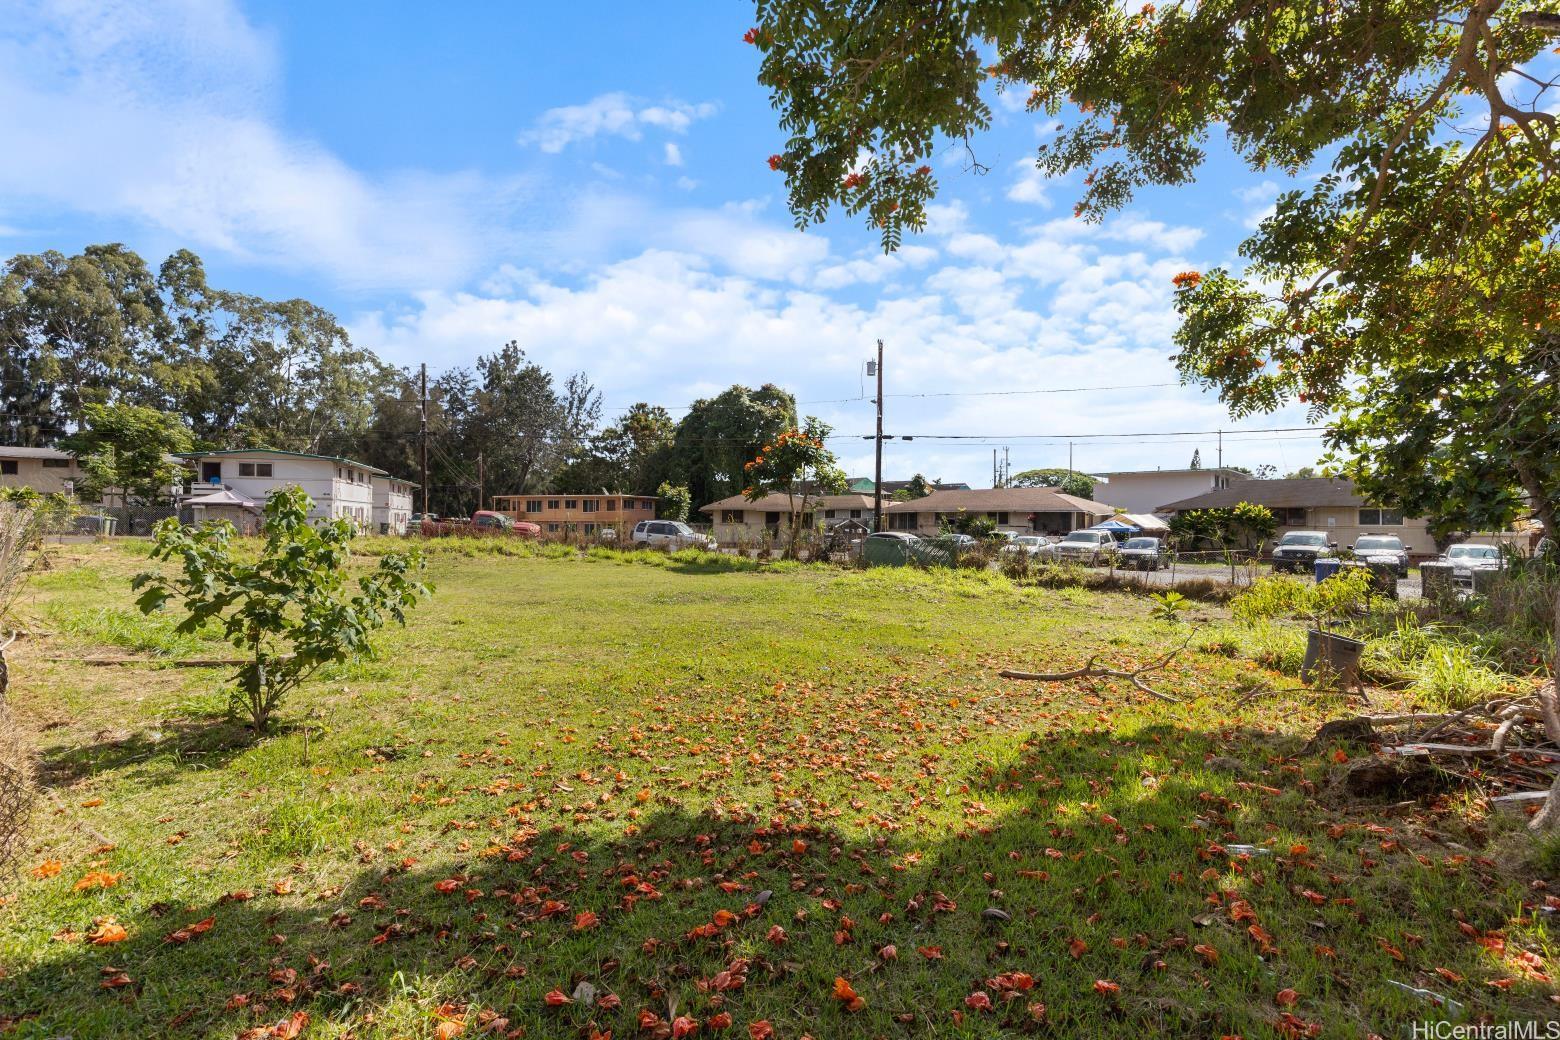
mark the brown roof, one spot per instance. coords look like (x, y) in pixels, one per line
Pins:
(783, 504)
(1291, 493)
(1001, 500)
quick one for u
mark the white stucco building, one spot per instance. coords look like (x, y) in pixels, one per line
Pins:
(339, 487)
(1145, 490)
(392, 504)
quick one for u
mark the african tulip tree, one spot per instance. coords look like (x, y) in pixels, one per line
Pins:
(1419, 261)
(799, 465)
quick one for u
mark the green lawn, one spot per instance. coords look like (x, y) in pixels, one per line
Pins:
(572, 771)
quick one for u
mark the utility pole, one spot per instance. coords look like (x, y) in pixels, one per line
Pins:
(1221, 449)
(423, 436)
(481, 482)
(877, 470)
(1069, 458)
(994, 482)
(1007, 467)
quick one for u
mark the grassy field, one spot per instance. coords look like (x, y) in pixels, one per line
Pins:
(787, 799)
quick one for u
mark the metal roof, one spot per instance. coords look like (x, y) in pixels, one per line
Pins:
(233, 452)
(34, 453)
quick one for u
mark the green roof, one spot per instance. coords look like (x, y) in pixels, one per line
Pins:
(278, 451)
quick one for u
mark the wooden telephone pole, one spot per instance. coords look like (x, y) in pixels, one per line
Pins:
(877, 470)
(423, 437)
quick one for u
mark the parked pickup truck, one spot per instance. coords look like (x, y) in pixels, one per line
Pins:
(483, 521)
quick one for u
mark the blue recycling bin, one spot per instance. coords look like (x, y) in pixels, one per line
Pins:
(1326, 568)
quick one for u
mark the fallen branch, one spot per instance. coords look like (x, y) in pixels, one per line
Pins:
(1094, 671)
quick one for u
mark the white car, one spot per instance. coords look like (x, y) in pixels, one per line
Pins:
(1085, 545)
(1385, 549)
(670, 534)
(1032, 544)
(1467, 557)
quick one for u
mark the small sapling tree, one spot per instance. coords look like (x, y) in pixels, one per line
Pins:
(292, 610)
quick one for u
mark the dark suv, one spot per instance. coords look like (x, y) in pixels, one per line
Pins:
(1298, 550)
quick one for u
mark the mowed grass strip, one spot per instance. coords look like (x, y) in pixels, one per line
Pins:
(710, 792)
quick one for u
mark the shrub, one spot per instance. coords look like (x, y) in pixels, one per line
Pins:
(289, 610)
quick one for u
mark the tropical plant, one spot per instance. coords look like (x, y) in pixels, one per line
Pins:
(1067, 481)
(799, 465)
(674, 501)
(124, 451)
(291, 610)
(1169, 605)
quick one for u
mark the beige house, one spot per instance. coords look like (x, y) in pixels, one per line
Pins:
(736, 519)
(1325, 504)
(1026, 510)
(45, 470)
(1145, 490)
(563, 513)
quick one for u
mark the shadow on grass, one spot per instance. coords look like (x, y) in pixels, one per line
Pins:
(204, 742)
(1104, 860)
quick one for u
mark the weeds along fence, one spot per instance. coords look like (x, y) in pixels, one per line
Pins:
(20, 530)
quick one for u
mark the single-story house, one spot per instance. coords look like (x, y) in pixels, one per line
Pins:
(736, 518)
(339, 487)
(1027, 510)
(45, 470)
(559, 514)
(1326, 504)
(1145, 490)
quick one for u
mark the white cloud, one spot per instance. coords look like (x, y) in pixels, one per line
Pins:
(673, 154)
(159, 113)
(1029, 185)
(610, 115)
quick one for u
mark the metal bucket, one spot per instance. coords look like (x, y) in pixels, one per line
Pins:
(1332, 658)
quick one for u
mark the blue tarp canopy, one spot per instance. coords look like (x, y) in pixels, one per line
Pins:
(1115, 527)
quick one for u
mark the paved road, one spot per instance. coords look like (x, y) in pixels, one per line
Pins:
(1407, 587)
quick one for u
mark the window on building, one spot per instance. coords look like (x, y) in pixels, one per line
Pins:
(828, 514)
(611, 505)
(8, 467)
(254, 469)
(553, 528)
(1289, 516)
(552, 503)
(731, 516)
(589, 505)
(56, 464)
(1002, 518)
(533, 505)
(1373, 516)
(855, 514)
(568, 503)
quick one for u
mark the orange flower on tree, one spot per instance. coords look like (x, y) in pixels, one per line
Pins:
(1186, 280)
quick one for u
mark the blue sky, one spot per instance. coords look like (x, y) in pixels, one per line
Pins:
(593, 184)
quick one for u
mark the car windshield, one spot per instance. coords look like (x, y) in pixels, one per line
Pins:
(1303, 539)
(1083, 536)
(1029, 539)
(681, 528)
(1142, 543)
(1473, 552)
(1366, 544)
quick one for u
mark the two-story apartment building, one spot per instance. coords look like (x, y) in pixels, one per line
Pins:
(1145, 490)
(45, 470)
(392, 504)
(562, 513)
(339, 487)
